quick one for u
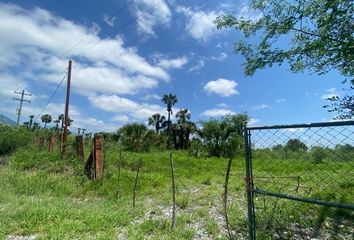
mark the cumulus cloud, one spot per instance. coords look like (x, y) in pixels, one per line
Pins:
(151, 97)
(222, 87)
(200, 24)
(32, 39)
(150, 14)
(173, 63)
(134, 110)
(217, 112)
(120, 118)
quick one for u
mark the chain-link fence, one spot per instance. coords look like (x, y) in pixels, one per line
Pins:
(300, 181)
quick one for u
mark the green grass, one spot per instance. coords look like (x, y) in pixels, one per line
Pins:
(51, 198)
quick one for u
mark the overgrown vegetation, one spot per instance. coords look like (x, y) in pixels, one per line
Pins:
(45, 196)
(12, 139)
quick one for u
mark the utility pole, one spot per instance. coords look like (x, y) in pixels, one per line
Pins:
(66, 115)
(19, 110)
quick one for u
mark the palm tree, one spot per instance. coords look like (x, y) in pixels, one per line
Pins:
(184, 128)
(183, 115)
(134, 136)
(46, 118)
(157, 121)
(170, 100)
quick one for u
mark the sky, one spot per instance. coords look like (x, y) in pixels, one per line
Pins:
(128, 53)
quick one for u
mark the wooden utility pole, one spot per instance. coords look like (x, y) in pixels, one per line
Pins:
(23, 94)
(66, 115)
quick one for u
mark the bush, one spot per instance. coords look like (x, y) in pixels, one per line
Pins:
(13, 138)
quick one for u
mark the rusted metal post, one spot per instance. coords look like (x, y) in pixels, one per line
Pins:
(80, 147)
(66, 115)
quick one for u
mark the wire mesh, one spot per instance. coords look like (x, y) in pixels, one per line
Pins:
(311, 163)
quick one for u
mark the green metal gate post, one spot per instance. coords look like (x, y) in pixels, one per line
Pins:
(249, 185)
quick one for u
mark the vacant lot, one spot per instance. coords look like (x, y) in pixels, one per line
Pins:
(45, 197)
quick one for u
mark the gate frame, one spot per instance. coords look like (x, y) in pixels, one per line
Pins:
(251, 190)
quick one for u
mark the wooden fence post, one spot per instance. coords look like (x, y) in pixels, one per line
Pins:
(94, 163)
(79, 147)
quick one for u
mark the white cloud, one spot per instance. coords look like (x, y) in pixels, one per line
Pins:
(200, 24)
(330, 93)
(9, 84)
(33, 41)
(150, 14)
(222, 87)
(222, 105)
(198, 66)
(173, 63)
(134, 110)
(260, 107)
(120, 118)
(221, 57)
(247, 13)
(217, 112)
(203, 60)
(252, 122)
(113, 103)
(151, 97)
(280, 100)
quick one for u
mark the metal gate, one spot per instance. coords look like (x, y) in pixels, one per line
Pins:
(299, 181)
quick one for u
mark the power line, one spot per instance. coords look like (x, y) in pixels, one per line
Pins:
(128, 24)
(85, 37)
(90, 47)
(51, 97)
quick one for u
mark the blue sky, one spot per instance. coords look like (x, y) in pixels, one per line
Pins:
(127, 54)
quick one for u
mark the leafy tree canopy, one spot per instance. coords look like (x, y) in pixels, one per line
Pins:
(320, 35)
(295, 145)
(223, 137)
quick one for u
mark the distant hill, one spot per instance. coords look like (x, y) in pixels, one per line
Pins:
(6, 120)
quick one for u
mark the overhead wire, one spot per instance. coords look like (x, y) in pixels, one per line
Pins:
(124, 27)
(86, 50)
(87, 35)
(51, 97)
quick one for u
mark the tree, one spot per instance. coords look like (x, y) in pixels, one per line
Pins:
(36, 126)
(157, 121)
(223, 137)
(46, 118)
(134, 137)
(295, 145)
(320, 32)
(26, 124)
(170, 100)
(183, 129)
